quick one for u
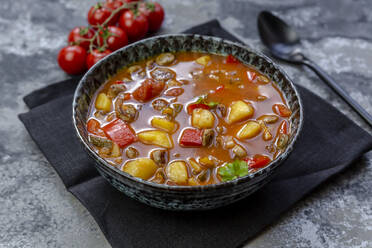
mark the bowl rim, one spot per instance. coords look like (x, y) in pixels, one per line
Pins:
(196, 188)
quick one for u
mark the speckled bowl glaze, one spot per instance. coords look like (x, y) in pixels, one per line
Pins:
(182, 197)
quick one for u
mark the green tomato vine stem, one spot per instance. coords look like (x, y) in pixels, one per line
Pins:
(100, 28)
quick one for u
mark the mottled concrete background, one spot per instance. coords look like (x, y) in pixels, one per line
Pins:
(37, 211)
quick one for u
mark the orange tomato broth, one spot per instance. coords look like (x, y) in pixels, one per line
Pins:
(242, 83)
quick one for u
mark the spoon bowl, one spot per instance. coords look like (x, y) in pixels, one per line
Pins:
(279, 37)
(284, 43)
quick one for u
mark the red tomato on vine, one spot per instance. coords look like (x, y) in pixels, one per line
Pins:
(115, 38)
(95, 56)
(135, 24)
(154, 13)
(98, 14)
(72, 59)
(80, 36)
(112, 24)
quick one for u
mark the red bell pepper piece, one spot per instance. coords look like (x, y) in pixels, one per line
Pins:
(258, 161)
(127, 96)
(118, 82)
(193, 106)
(120, 133)
(281, 110)
(94, 127)
(251, 75)
(148, 90)
(191, 137)
(231, 59)
(283, 127)
(220, 88)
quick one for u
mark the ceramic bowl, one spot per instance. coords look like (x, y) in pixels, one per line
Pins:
(182, 197)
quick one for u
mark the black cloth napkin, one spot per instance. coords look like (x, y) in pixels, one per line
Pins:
(329, 143)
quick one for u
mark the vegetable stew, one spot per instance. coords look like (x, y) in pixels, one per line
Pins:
(189, 118)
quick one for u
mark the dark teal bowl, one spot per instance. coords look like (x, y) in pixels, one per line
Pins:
(182, 197)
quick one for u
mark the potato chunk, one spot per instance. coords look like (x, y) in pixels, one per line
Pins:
(193, 182)
(249, 130)
(177, 172)
(115, 152)
(164, 124)
(103, 102)
(156, 137)
(142, 167)
(203, 60)
(202, 118)
(206, 162)
(239, 111)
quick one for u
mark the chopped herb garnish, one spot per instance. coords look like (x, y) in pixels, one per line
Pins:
(231, 171)
(203, 99)
(212, 104)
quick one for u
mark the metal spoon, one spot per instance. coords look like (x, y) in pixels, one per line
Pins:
(284, 43)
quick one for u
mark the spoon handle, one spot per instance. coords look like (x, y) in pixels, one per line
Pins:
(340, 91)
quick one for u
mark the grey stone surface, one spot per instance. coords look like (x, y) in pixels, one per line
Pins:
(37, 211)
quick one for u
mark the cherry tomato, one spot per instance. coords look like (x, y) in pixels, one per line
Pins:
(113, 4)
(135, 26)
(116, 37)
(154, 13)
(72, 59)
(78, 34)
(95, 56)
(98, 15)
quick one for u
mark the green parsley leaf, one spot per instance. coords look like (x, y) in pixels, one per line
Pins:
(241, 168)
(231, 171)
(212, 104)
(227, 172)
(203, 99)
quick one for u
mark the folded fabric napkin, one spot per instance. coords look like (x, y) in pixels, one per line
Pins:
(329, 143)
